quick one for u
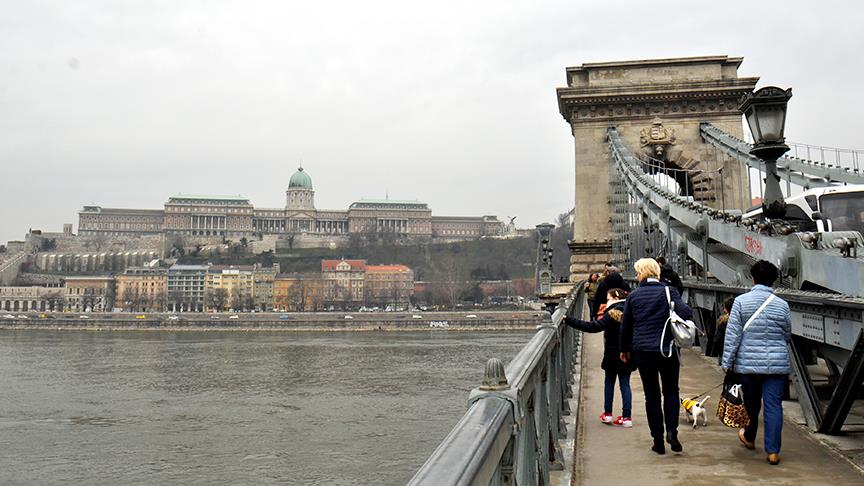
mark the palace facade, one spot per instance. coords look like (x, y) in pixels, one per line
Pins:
(236, 217)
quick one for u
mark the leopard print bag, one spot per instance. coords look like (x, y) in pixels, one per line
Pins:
(730, 409)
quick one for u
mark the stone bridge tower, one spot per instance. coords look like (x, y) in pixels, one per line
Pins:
(657, 106)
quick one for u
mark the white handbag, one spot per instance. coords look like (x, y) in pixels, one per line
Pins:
(683, 331)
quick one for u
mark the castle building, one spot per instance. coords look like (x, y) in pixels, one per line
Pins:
(236, 217)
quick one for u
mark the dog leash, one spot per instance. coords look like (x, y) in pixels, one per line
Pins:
(706, 391)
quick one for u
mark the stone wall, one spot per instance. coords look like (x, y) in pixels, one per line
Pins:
(93, 262)
(82, 244)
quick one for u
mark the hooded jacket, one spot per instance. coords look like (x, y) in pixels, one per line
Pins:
(612, 281)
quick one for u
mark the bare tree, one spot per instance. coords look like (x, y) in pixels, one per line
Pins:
(237, 299)
(216, 299)
(158, 301)
(175, 299)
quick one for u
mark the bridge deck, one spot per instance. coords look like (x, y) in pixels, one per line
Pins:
(712, 455)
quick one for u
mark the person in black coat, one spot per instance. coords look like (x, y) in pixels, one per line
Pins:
(612, 280)
(652, 351)
(669, 276)
(614, 368)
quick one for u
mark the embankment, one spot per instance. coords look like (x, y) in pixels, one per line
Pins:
(329, 321)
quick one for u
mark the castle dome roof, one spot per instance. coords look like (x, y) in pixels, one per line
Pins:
(300, 179)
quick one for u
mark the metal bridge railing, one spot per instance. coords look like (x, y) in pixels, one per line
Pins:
(838, 157)
(510, 434)
(806, 172)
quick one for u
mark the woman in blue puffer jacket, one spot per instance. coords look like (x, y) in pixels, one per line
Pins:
(758, 352)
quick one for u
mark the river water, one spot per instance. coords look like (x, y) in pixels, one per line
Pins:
(229, 407)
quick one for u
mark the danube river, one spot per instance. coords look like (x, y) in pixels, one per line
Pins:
(240, 408)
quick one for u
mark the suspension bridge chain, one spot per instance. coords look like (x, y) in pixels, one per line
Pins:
(822, 273)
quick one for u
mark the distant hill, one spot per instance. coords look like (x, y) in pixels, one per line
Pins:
(484, 259)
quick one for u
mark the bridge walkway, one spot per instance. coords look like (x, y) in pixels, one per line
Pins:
(608, 455)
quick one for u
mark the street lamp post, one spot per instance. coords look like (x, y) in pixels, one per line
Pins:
(765, 111)
(543, 270)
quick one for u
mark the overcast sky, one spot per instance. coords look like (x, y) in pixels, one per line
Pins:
(124, 103)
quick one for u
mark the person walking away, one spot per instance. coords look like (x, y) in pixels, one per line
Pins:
(759, 328)
(591, 288)
(613, 280)
(720, 332)
(612, 366)
(669, 276)
(654, 355)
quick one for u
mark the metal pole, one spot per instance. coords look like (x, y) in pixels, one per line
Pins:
(723, 190)
(749, 187)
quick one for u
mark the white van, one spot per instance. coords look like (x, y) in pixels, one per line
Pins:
(833, 208)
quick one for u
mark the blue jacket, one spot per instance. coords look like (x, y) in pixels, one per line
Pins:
(762, 349)
(645, 315)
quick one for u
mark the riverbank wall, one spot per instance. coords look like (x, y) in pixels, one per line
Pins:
(330, 321)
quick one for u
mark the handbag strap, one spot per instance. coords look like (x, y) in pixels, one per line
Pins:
(758, 311)
(666, 325)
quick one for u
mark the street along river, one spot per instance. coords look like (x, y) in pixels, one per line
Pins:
(228, 407)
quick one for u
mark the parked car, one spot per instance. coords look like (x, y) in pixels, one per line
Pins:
(8, 316)
(473, 316)
(283, 317)
(349, 317)
(22, 316)
(173, 318)
(415, 316)
(213, 318)
(141, 316)
(234, 316)
(83, 317)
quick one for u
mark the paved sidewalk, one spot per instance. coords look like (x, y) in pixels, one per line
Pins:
(608, 455)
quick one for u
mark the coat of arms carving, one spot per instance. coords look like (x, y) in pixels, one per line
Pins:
(656, 138)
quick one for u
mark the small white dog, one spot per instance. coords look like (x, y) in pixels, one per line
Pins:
(694, 409)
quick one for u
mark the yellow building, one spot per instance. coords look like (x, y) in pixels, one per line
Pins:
(142, 290)
(229, 287)
(298, 293)
(389, 285)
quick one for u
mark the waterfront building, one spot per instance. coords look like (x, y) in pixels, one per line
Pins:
(89, 294)
(31, 298)
(229, 287)
(263, 287)
(389, 285)
(142, 289)
(186, 284)
(235, 217)
(343, 282)
(298, 292)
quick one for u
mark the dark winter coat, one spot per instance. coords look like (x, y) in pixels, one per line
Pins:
(670, 277)
(612, 281)
(645, 315)
(610, 326)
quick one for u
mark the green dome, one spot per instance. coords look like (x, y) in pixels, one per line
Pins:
(300, 179)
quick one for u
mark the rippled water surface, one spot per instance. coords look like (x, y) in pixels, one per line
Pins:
(240, 408)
